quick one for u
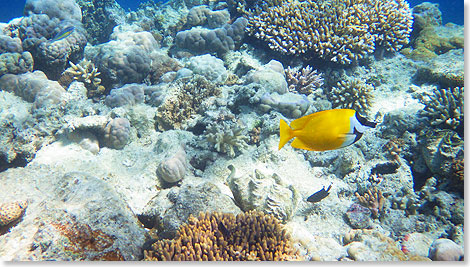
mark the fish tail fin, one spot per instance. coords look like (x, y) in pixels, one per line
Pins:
(285, 133)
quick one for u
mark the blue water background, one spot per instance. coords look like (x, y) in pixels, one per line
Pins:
(452, 10)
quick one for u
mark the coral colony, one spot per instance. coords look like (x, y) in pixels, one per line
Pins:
(188, 130)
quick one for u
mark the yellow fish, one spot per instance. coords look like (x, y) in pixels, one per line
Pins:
(325, 130)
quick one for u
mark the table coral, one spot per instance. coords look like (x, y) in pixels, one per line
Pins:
(226, 237)
(338, 31)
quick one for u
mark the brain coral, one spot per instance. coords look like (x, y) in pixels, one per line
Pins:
(339, 31)
(224, 237)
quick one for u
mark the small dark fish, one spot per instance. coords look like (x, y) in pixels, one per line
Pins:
(321, 194)
(63, 34)
(223, 229)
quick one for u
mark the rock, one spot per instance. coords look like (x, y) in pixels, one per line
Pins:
(444, 249)
(416, 243)
(358, 216)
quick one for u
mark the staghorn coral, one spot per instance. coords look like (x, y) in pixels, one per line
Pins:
(252, 7)
(224, 237)
(11, 211)
(372, 199)
(226, 137)
(339, 31)
(85, 72)
(445, 108)
(185, 99)
(305, 81)
(353, 93)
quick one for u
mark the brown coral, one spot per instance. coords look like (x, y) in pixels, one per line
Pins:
(226, 237)
(372, 199)
(335, 30)
(352, 93)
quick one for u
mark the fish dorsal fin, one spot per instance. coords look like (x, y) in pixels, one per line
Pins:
(300, 122)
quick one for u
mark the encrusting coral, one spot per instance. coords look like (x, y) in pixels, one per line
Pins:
(305, 81)
(372, 199)
(339, 31)
(226, 237)
(353, 94)
(226, 137)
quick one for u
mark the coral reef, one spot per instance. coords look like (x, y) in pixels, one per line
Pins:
(129, 94)
(184, 100)
(226, 137)
(173, 169)
(116, 133)
(338, 31)
(51, 57)
(352, 93)
(305, 81)
(445, 108)
(219, 40)
(99, 18)
(61, 9)
(270, 76)
(249, 236)
(372, 199)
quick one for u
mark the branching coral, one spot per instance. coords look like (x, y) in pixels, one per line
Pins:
(373, 199)
(226, 137)
(305, 81)
(185, 99)
(224, 237)
(86, 72)
(353, 93)
(445, 108)
(339, 31)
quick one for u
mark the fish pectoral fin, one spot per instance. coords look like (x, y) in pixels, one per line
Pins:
(297, 143)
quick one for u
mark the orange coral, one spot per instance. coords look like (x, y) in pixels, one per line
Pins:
(226, 237)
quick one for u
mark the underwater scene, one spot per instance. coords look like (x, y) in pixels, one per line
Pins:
(207, 130)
